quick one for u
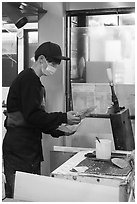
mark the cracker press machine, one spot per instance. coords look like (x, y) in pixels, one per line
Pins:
(120, 121)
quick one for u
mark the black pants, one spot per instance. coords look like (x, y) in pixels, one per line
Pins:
(10, 171)
(22, 151)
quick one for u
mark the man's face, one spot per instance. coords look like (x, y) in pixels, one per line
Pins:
(48, 68)
(53, 64)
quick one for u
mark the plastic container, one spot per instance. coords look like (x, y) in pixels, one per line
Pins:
(103, 149)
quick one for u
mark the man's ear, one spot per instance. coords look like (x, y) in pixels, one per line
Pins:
(41, 58)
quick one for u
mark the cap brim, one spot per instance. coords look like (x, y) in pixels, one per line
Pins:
(62, 58)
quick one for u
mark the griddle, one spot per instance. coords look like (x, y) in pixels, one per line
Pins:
(103, 167)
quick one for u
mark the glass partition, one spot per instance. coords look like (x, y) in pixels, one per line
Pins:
(98, 39)
(94, 49)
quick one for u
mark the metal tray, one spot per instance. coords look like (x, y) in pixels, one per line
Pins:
(106, 167)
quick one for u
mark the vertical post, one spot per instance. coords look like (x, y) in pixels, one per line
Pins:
(81, 48)
(68, 91)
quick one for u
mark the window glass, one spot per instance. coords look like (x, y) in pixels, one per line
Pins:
(105, 20)
(33, 43)
(9, 58)
(127, 19)
(107, 41)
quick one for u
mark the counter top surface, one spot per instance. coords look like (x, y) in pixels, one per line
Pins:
(66, 168)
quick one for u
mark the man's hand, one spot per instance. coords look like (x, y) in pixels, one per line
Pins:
(72, 119)
(68, 129)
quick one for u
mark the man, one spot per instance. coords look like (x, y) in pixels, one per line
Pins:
(26, 116)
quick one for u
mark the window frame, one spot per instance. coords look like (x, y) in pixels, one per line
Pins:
(76, 13)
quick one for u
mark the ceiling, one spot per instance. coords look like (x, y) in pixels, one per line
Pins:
(32, 10)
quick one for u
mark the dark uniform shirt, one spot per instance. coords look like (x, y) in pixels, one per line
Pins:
(27, 119)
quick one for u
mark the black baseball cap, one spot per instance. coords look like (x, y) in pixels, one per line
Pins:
(50, 50)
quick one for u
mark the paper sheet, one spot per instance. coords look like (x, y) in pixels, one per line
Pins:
(85, 112)
(71, 129)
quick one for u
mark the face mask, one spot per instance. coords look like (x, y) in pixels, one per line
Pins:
(50, 70)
